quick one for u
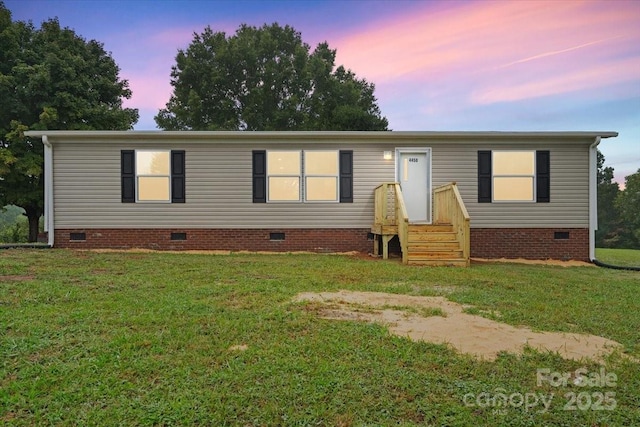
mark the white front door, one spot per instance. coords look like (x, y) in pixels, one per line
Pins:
(414, 174)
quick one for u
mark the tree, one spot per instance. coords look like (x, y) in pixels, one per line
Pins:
(265, 79)
(50, 78)
(608, 216)
(628, 204)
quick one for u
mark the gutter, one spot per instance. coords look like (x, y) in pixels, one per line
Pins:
(593, 197)
(48, 191)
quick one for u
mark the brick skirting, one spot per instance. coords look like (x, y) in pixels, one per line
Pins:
(312, 240)
(530, 243)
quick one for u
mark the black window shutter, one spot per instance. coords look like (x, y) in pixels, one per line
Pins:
(484, 176)
(259, 176)
(178, 182)
(543, 177)
(128, 176)
(346, 176)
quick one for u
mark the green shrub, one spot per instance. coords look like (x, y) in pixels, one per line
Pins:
(14, 227)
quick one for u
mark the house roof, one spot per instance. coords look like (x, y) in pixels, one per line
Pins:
(283, 136)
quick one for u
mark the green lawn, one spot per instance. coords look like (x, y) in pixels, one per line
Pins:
(146, 339)
(621, 257)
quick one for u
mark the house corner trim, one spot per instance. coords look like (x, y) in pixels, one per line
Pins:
(593, 197)
(48, 190)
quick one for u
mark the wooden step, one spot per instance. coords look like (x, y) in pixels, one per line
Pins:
(440, 262)
(430, 228)
(438, 244)
(437, 253)
(438, 236)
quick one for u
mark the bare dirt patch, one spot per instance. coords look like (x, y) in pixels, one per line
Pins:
(212, 252)
(476, 335)
(557, 262)
(239, 347)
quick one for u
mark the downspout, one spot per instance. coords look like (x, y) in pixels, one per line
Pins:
(48, 190)
(593, 197)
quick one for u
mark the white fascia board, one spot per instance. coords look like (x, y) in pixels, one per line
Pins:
(315, 136)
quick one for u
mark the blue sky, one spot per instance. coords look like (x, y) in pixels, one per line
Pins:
(437, 65)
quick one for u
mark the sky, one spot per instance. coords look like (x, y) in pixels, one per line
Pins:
(437, 65)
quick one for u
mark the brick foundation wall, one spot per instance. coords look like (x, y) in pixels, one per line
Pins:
(313, 240)
(530, 243)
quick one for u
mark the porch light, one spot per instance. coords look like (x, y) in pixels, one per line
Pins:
(387, 155)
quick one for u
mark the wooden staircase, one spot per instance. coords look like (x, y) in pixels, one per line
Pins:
(443, 243)
(434, 245)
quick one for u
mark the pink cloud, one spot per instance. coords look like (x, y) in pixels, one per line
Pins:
(174, 37)
(599, 75)
(504, 50)
(149, 91)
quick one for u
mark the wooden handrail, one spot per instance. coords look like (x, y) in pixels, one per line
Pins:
(450, 209)
(402, 217)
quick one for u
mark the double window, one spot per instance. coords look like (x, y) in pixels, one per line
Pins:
(297, 175)
(153, 176)
(513, 176)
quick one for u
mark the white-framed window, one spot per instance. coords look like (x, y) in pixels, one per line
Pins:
(314, 176)
(284, 171)
(513, 176)
(303, 175)
(321, 172)
(153, 175)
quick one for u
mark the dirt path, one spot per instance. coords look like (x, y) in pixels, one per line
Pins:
(467, 333)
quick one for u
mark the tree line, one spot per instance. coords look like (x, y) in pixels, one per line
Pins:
(618, 210)
(263, 78)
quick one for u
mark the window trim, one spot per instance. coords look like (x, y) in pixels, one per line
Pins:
(269, 175)
(138, 176)
(533, 177)
(336, 176)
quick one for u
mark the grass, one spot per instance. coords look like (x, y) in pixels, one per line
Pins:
(620, 257)
(148, 339)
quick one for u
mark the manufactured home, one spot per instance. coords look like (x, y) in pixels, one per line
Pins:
(438, 198)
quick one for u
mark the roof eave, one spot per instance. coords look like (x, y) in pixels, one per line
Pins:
(287, 135)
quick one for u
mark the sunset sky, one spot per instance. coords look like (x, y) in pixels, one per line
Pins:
(437, 65)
